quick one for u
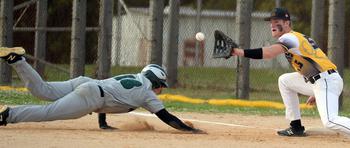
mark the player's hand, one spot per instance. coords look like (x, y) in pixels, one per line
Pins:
(237, 52)
(311, 100)
(234, 52)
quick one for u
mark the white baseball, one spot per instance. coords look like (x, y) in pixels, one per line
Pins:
(200, 36)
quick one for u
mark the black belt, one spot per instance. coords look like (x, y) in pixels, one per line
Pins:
(314, 78)
(101, 91)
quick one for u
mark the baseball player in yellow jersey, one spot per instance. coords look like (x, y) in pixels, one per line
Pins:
(315, 76)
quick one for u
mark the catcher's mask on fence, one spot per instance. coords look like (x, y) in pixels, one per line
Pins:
(156, 75)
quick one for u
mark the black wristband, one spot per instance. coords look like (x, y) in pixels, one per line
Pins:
(253, 53)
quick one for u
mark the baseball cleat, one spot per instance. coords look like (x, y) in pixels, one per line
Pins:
(107, 127)
(11, 55)
(292, 132)
(4, 113)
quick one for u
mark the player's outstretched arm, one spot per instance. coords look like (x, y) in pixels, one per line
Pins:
(267, 52)
(225, 47)
(175, 122)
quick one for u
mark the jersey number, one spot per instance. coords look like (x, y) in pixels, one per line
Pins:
(128, 81)
(299, 65)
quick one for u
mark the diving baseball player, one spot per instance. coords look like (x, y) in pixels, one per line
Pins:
(80, 96)
(315, 76)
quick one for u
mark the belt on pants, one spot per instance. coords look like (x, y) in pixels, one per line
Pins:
(102, 93)
(314, 78)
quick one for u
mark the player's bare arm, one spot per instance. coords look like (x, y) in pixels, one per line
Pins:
(225, 47)
(267, 52)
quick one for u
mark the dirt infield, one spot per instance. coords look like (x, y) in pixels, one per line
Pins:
(224, 130)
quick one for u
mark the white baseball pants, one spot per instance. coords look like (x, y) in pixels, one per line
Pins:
(326, 90)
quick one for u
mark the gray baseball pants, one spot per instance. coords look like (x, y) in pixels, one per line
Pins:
(72, 99)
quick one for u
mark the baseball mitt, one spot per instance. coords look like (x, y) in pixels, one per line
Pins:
(223, 45)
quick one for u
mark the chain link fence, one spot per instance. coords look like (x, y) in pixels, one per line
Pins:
(131, 44)
(44, 29)
(197, 68)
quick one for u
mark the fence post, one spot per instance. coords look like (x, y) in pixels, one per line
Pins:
(336, 29)
(198, 29)
(157, 10)
(77, 57)
(104, 39)
(117, 33)
(6, 23)
(173, 42)
(278, 3)
(40, 36)
(317, 22)
(275, 63)
(243, 20)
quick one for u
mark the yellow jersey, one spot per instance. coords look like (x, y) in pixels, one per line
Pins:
(304, 55)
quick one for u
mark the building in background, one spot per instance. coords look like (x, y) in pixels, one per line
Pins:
(135, 35)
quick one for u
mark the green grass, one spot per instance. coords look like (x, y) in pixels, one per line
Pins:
(206, 108)
(198, 82)
(18, 98)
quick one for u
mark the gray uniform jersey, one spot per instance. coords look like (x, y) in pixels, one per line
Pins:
(132, 91)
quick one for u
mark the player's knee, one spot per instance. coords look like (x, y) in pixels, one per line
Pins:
(282, 79)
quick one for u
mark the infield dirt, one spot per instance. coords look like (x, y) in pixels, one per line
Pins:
(144, 131)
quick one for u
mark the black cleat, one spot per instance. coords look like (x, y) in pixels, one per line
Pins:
(291, 132)
(107, 127)
(4, 113)
(11, 55)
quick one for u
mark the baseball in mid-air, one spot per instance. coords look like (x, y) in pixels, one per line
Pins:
(200, 36)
